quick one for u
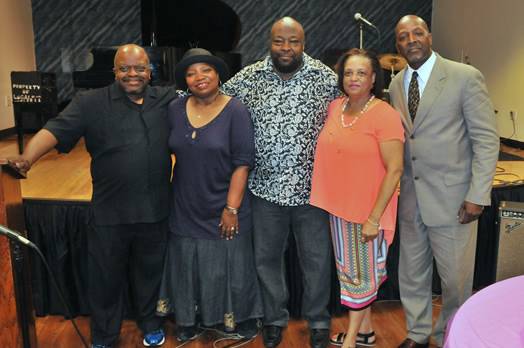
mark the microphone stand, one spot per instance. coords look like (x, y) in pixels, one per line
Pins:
(18, 266)
(15, 239)
(360, 35)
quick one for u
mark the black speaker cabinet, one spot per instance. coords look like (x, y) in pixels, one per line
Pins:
(510, 258)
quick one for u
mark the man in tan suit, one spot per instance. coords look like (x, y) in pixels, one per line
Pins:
(450, 158)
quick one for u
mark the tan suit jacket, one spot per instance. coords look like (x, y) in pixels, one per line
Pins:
(451, 148)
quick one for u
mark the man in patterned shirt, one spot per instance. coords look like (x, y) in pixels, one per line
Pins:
(288, 94)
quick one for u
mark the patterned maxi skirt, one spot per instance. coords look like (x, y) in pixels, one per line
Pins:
(361, 267)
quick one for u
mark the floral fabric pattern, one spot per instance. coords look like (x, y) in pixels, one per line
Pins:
(288, 116)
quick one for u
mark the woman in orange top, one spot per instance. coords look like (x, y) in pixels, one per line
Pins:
(358, 164)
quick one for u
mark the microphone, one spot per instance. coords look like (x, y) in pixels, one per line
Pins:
(359, 18)
(17, 237)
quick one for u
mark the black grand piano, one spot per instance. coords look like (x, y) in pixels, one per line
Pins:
(163, 61)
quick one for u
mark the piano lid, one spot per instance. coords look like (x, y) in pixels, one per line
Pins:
(209, 24)
(162, 59)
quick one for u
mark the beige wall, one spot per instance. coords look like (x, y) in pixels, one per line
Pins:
(17, 51)
(491, 34)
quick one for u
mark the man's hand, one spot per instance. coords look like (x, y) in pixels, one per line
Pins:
(469, 212)
(21, 164)
(39, 145)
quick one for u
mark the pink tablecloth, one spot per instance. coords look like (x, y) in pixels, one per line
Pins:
(492, 318)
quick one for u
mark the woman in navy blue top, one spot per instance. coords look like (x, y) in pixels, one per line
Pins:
(209, 276)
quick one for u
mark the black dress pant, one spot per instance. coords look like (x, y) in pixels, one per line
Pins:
(114, 252)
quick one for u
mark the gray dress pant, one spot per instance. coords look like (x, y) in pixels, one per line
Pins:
(453, 248)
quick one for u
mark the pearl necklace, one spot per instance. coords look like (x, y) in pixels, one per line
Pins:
(352, 123)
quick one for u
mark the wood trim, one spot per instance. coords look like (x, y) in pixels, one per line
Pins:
(16, 307)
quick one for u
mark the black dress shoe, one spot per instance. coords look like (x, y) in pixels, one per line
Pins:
(409, 343)
(272, 335)
(319, 338)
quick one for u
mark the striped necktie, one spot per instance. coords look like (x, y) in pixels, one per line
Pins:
(413, 96)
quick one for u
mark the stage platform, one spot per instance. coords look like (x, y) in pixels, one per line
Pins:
(66, 176)
(55, 176)
(57, 195)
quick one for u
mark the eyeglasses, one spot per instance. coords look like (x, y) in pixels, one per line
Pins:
(138, 68)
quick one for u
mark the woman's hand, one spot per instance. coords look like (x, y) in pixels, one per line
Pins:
(369, 231)
(237, 187)
(229, 224)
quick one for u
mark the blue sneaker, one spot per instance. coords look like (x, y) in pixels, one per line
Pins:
(155, 338)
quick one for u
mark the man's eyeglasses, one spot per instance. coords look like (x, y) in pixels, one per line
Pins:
(138, 68)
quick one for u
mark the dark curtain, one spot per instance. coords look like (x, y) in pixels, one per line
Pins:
(59, 229)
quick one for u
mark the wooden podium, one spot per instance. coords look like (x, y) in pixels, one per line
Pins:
(17, 318)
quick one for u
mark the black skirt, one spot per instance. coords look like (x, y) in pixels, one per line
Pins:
(215, 279)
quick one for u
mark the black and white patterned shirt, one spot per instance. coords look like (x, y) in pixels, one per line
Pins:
(288, 116)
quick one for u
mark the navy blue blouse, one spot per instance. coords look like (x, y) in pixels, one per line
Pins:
(203, 168)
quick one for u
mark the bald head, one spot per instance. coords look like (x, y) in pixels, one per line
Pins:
(129, 50)
(413, 40)
(132, 71)
(412, 20)
(286, 45)
(289, 24)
